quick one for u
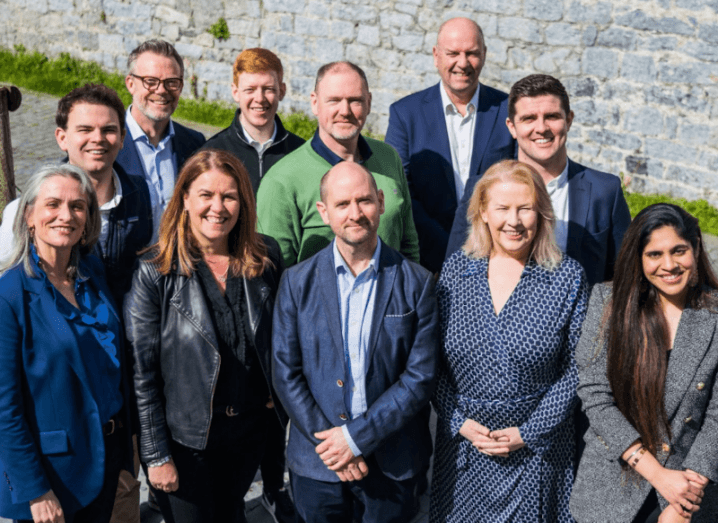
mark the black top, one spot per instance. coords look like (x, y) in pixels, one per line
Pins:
(241, 383)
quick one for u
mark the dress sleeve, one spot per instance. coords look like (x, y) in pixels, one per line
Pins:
(559, 401)
(445, 398)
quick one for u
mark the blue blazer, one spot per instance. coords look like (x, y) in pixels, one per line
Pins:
(184, 143)
(310, 370)
(417, 130)
(50, 431)
(598, 217)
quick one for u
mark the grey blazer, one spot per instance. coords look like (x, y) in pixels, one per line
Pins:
(600, 492)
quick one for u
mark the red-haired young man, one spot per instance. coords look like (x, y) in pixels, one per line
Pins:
(257, 136)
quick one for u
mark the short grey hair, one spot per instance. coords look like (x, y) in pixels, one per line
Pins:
(155, 46)
(22, 241)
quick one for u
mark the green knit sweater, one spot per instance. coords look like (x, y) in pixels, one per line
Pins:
(287, 197)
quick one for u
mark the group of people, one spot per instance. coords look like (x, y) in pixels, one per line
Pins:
(466, 264)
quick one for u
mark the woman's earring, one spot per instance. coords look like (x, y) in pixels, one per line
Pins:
(83, 240)
(31, 232)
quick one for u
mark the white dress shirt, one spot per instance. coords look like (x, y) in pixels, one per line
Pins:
(461, 136)
(558, 191)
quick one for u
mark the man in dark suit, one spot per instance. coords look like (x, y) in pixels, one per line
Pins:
(591, 211)
(448, 134)
(355, 344)
(154, 145)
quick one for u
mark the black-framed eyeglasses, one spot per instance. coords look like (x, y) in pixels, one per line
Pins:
(150, 82)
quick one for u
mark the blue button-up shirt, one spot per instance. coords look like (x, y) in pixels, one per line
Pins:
(356, 303)
(158, 162)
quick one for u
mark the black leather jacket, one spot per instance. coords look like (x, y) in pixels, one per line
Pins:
(176, 352)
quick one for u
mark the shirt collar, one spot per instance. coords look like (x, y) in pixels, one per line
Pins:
(560, 180)
(325, 152)
(448, 105)
(136, 131)
(251, 141)
(117, 197)
(341, 266)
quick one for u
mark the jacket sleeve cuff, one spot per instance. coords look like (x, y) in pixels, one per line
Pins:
(350, 441)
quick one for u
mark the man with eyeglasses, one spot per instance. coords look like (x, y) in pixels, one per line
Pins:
(154, 145)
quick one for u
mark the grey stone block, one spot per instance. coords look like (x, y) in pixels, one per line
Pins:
(354, 13)
(385, 59)
(284, 6)
(419, 63)
(406, 8)
(392, 81)
(290, 45)
(638, 68)
(553, 61)
(588, 38)
(708, 33)
(214, 72)
(519, 29)
(701, 50)
(239, 9)
(189, 50)
(87, 40)
(602, 63)
(697, 5)
(695, 73)
(489, 24)
(60, 5)
(647, 121)
(581, 86)
(613, 139)
(409, 42)
(302, 68)
(616, 37)
(327, 50)
(520, 58)
(301, 86)
(172, 16)
(368, 35)
(109, 43)
(666, 150)
(497, 51)
(501, 7)
(707, 160)
(580, 149)
(691, 177)
(359, 54)
(243, 27)
(670, 126)
(342, 31)
(310, 26)
(658, 43)
(551, 10)
(562, 34)
(599, 13)
(219, 91)
(688, 99)
(694, 134)
(399, 20)
(170, 32)
(640, 20)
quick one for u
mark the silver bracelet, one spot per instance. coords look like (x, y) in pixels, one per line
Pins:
(159, 462)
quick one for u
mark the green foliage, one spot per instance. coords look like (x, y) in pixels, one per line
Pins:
(219, 30)
(300, 124)
(211, 113)
(707, 214)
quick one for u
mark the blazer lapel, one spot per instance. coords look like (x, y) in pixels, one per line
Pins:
(579, 199)
(384, 287)
(433, 112)
(327, 279)
(256, 292)
(486, 115)
(694, 335)
(128, 157)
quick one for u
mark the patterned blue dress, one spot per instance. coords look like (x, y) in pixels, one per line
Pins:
(516, 369)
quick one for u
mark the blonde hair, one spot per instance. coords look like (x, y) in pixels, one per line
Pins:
(479, 244)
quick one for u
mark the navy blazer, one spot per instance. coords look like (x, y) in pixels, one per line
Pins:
(184, 143)
(50, 431)
(310, 369)
(417, 130)
(598, 217)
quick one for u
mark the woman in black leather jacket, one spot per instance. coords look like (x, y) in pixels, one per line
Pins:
(199, 318)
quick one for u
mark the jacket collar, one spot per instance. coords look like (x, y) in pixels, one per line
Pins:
(239, 130)
(579, 200)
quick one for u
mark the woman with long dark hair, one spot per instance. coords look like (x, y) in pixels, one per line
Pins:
(199, 316)
(647, 362)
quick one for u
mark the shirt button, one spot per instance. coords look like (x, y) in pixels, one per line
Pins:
(343, 417)
(340, 383)
(700, 385)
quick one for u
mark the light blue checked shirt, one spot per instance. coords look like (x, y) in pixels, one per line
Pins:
(356, 303)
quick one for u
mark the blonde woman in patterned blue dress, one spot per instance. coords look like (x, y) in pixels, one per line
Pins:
(511, 309)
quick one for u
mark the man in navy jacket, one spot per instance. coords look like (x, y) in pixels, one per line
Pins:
(355, 344)
(591, 211)
(448, 134)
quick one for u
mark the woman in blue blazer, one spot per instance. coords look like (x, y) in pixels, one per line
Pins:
(648, 358)
(63, 437)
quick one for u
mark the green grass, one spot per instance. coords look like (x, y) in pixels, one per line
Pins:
(707, 214)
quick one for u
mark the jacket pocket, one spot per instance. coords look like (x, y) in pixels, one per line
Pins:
(54, 442)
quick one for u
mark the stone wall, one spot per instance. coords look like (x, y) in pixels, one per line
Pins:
(642, 74)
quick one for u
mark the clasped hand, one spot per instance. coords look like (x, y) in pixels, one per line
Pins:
(492, 443)
(683, 489)
(336, 454)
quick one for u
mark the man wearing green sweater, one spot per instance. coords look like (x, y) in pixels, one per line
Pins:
(287, 197)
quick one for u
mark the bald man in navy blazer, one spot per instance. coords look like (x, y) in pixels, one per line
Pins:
(448, 134)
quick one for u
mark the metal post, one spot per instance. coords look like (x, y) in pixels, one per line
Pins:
(10, 100)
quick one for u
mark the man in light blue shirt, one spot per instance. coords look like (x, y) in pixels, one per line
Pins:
(355, 341)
